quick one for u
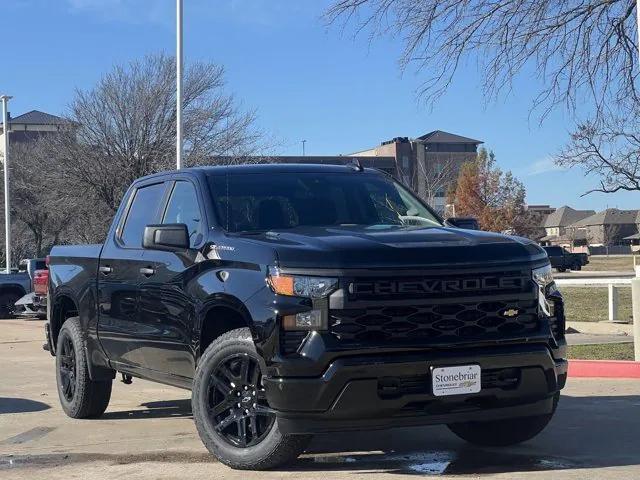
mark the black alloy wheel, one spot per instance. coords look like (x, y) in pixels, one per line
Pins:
(68, 371)
(236, 402)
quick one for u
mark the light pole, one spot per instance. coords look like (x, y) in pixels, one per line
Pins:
(7, 212)
(178, 84)
(304, 141)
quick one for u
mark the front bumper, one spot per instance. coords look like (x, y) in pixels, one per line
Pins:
(392, 390)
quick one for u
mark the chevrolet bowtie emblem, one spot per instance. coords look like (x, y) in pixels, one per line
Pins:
(512, 312)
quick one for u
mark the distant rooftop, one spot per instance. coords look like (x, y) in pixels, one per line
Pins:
(610, 216)
(438, 136)
(36, 117)
(565, 216)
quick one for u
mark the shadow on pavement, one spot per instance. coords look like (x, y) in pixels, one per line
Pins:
(21, 405)
(167, 408)
(586, 432)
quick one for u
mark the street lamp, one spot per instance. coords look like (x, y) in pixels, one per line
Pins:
(7, 212)
(178, 84)
(304, 142)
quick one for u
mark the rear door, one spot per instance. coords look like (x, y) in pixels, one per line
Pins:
(120, 333)
(167, 311)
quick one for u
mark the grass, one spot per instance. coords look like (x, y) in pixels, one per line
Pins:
(590, 304)
(601, 263)
(607, 351)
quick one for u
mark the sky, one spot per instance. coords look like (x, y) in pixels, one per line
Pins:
(306, 80)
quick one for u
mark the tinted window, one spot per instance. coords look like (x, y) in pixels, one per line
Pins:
(258, 202)
(142, 213)
(554, 251)
(183, 208)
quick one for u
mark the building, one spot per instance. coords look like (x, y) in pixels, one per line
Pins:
(429, 164)
(607, 228)
(543, 210)
(557, 223)
(30, 126)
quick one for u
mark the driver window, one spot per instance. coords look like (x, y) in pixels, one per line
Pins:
(183, 208)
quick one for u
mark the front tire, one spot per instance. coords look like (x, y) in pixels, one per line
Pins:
(80, 397)
(230, 408)
(503, 433)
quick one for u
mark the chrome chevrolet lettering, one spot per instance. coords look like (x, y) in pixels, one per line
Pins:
(392, 287)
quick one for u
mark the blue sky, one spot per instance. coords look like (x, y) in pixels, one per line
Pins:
(306, 80)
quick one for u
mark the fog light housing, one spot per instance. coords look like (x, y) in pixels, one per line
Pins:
(310, 320)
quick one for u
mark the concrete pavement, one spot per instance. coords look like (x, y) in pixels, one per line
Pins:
(588, 339)
(148, 432)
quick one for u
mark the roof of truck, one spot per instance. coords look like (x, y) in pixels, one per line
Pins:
(277, 168)
(264, 168)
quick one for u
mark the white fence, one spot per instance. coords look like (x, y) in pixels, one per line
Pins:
(613, 285)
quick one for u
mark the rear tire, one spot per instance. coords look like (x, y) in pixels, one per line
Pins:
(230, 409)
(7, 304)
(503, 433)
(80, 396)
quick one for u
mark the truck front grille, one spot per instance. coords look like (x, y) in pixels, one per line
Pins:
(435, 323)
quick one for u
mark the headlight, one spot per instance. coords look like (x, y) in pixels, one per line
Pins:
(543, 276)
(300, 285)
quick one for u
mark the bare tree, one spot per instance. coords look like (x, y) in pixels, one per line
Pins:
(124, 128)
(609, 149)
(611, 234)
(582, 51)
(576, 46)
(434, 179)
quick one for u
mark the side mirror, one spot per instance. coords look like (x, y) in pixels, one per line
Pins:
(468, 223)
(170, 237)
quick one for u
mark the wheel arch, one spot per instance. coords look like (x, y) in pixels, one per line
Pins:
(13, 287)
(221, 313)
(63, 308)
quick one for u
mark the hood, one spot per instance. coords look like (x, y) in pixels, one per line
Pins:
(395, 246)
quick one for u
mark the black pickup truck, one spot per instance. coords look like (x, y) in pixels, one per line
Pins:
(563, 260)
(301, 299)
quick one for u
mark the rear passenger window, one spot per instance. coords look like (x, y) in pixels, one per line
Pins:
(141, 213)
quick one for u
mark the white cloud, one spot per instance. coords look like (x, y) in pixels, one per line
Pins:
(544, 165)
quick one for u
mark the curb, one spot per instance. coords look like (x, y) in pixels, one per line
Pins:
(604, 369)
(602, 328)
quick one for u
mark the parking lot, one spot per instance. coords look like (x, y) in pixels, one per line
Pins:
(148, 432)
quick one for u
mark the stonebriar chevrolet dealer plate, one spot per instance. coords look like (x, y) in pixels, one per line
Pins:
(455, 380)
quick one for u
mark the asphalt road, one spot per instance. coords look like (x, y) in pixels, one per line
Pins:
(148, 432)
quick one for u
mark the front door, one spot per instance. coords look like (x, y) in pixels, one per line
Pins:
(120, 333)
(166, 308)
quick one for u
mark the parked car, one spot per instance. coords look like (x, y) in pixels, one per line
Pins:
(34, 303)
(15, 285)
(562, 260)
(294, 300)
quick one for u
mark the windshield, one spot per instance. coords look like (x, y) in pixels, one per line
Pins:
(259, 202)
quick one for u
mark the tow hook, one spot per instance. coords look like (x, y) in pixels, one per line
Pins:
(126, 379)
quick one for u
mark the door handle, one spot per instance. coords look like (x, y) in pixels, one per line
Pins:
(105, 269)
(147, 271)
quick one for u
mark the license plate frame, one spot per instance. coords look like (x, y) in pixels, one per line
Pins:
(454, 380)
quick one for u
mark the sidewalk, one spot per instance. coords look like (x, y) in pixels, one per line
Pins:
(590, 339)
